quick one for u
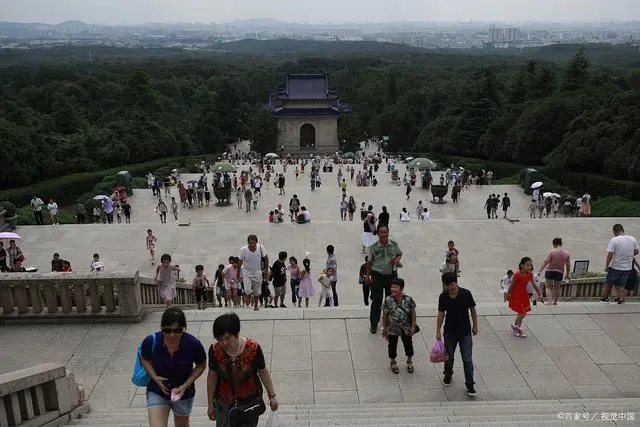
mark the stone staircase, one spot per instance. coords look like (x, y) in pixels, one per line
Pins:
(467, 413)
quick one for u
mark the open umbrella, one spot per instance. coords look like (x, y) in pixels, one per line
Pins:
(536, 184)
(408, 159)
(422, 163)
(348, 155)
(547, 194)
(274, 155)
(9, 235)
(223, 167)
(101, 197)
(556, 195)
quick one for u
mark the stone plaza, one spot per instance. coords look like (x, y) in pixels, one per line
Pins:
(327, 355)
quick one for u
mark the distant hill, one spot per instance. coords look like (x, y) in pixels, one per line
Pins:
(72, 25)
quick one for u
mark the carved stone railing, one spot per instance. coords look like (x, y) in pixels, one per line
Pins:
(150, 296)
(40, 395)
(93, 295)
(588, 288)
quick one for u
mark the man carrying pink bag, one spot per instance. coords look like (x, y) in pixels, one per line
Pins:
(455, 303)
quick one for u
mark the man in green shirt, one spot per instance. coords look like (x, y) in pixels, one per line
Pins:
(383, 256)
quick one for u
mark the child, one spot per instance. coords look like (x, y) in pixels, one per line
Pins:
(404, 215)
(533, 206)
(96, 214)
(230, 277)
(166, 279)
(118, 211)
(425, 215)
(96, 264)
(504, 285)
(366, 287)
(220, 290)
(270, 217)
(294, 274)
(239, 196)
(174, 208)
(518, 296)
(66, 266)
(325, 280)
(151, 245)
(200, 284)
(266, 300)
(306, 290)
(255, 198)
(419, 209)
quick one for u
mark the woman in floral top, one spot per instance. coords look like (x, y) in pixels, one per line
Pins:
(399, 321)
(237, 371)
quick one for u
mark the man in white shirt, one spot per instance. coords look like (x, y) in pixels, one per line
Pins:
(621, 252)
(36, 204)
(253, 264)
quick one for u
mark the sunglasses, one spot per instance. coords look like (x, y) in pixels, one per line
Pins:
(172, 330)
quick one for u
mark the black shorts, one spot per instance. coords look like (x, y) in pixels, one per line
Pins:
(201, 294)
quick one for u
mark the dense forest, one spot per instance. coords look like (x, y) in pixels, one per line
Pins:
(567, 107)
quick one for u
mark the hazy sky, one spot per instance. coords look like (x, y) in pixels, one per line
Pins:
(316, 11)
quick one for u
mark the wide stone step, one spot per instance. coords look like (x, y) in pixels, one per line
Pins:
(469, 413)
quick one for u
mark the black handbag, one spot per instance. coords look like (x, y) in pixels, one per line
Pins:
(248, 410)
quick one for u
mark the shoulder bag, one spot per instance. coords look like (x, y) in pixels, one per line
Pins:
(241, 412)
(408, 314)
(140, 375)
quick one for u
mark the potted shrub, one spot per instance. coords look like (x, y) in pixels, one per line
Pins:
(11, 215)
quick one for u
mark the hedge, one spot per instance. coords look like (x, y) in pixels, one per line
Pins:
(66, 189)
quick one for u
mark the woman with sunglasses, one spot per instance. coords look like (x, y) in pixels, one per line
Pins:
(174, 362)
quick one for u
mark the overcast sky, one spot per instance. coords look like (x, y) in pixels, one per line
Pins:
(316, 11)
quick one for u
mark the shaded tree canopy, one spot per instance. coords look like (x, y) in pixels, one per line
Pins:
(569, 107)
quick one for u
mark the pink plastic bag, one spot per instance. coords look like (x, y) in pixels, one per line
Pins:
(438, 353)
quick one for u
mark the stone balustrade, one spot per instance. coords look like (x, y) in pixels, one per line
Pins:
(588, 288)
(86, 295)
(40, 395)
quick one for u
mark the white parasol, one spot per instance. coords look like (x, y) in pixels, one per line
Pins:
(547, 194)
(537, 184)
(9, 236)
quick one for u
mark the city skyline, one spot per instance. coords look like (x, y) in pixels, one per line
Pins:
(131, 12)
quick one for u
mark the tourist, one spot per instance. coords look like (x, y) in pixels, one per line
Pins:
(239, 197)
(419, 209)
(506, 204)
(425, 216)
(56, 263)
(207, 196)
(533, 206)
(237, 373)
(118, 211)
(107, 207)
(174, 359)
(294, 207)
(558, 260)
(407, 191)
(17, 267)
(404, 215)
(364, 211)
(174, 208)
(254, 199)
(151, 245)
(254, 263)
(248, 196)
(451, 264)
(53, 211)
(555, 207)
(451, 248)
(325, 279)
(621, 253)
(366, 287)
(294, 281)
(36, 205)
(344, 207)
(230, 276)
(200, 284)
(3, 258)
(383, 256)
(383, 217)
(66, 266)
(281, 182)
(454, 305)
(519, 300)
(166, 279)
(399, 321)
(161, 208)
(351, 207)
(505, 283)
(585, 206)
(304, 217)
(279, 272)
(96, 264)
(368, 237)
(14, 252)
(332, 263)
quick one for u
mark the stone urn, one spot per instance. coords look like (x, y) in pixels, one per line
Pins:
(438, 192)
(223, 195)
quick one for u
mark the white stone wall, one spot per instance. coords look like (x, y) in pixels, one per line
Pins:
(326, 134)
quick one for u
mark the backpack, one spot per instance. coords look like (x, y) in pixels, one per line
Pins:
(140, 376)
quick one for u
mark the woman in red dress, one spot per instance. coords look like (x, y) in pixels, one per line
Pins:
(518, 295)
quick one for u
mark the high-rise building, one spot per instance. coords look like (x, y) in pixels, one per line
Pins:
(502, 35)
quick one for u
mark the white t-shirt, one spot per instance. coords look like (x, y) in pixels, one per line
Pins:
(404, 216)
(36, 204)
(536, 280)
(426, 215)
(251, 261)
(53, 208)
(506, 282)
(623, 248)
